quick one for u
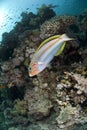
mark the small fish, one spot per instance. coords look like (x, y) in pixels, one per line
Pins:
(49, 48)
(1, 86)
(10, 85)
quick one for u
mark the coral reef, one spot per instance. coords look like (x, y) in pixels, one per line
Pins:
(56, 25)
(20, 108)
(56, 98)
(29, 21)
(38, 105)
(67, 116)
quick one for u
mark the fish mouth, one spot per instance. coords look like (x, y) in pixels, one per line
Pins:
(30, 75)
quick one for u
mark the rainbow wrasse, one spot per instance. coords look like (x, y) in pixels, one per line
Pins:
(49, 48)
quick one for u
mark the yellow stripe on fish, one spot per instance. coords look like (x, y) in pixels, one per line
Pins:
(47, 40)
(61, 49)
(49, 48)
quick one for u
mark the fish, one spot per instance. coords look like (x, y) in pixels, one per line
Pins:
(2, 86)
(45, 53)
(8, 85)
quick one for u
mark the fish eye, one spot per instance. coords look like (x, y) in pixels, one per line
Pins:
(29, 68)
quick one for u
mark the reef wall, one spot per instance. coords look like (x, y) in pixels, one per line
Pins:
(56, 98)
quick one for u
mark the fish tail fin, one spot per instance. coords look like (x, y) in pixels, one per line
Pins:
(66, 38)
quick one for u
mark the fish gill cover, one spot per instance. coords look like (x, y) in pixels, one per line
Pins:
(57, 97)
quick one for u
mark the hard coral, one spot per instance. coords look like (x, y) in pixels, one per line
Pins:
(67, 116)
(38, 106)
(20, 107)
(60, 90)
(56, 25)
(45, 12)
(82, 83)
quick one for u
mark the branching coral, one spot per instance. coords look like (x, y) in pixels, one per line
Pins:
(82, 83)
(45, 12)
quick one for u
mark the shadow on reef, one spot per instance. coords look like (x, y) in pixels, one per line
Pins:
(56, 98)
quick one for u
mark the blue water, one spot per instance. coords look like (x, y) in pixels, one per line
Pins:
(10, 10)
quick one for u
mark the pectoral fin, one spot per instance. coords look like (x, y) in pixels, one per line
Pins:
(61, 49)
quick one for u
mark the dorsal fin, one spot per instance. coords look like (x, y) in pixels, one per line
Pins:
(61, 49)
(47, 40)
